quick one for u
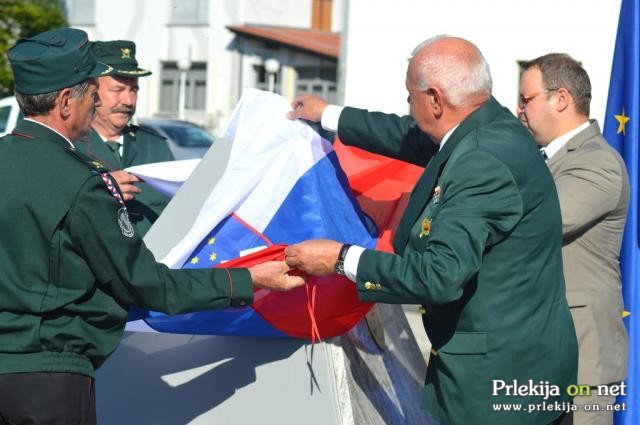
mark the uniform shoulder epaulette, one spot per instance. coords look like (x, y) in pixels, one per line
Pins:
(133, 129)
(92, 163)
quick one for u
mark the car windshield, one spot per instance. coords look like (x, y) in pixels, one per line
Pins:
(188, 136)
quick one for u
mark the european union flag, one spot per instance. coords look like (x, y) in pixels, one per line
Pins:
(621, 130)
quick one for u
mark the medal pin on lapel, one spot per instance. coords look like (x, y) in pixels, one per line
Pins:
(426, 227)
(436, 194)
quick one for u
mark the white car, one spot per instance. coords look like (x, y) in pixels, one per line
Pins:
(186, 140)
(9, 114)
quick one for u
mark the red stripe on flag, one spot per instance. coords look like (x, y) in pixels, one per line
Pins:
(248, 226)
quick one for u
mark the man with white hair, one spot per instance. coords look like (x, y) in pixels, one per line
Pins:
(478, 246)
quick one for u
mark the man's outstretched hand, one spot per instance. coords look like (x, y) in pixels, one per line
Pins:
(126, 182)
(274, 275)
(307, 107)
(317, 257)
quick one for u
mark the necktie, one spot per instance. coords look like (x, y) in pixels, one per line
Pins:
(115, 148)
(543, 152)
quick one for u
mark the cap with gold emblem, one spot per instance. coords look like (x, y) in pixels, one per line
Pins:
(53, 60)
(121, 55)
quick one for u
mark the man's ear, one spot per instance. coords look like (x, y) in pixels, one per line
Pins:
(435, 99)
(64, 102)
(563, 99)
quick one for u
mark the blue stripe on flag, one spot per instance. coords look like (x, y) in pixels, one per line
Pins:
(230, 321)
(316, 207)
(223, 243)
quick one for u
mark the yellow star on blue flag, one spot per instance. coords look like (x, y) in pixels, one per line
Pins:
(622, 121)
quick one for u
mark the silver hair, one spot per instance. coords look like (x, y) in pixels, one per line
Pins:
(458, 77)
(42, 104)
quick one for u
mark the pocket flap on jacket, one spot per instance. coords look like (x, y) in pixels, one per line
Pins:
(577, 299)
(466, 343)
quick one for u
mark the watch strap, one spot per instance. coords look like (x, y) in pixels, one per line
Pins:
(339, 266)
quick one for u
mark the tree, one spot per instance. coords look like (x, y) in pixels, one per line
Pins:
(24, 18)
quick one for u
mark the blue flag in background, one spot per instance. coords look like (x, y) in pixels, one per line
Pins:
(621, 129)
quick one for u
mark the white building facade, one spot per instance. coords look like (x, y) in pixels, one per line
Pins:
(223, 42)
(381, 34)
(172, 35)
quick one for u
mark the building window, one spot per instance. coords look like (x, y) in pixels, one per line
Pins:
(321, 15)
(195, 91)
(189, 12)
(262, 79)
(321, 81)
(81, 12)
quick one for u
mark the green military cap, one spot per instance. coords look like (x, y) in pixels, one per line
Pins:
(121, 55)
(53, 60)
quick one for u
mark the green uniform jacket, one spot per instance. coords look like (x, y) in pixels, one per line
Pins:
(141, 146)
(479, 246)
(69, 269)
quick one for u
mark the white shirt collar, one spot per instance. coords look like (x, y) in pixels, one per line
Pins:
(557, 144)
(446, 136)
(119, 139)
(50, 128)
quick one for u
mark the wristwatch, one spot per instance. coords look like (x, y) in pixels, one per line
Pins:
(339, 267)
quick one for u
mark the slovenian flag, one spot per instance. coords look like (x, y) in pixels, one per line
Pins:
(281, 184)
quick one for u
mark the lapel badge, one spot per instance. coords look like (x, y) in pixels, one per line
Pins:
(436, 194)
(126, 53)
(426, 227)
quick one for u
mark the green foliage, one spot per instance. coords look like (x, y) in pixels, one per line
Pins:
(24, 18)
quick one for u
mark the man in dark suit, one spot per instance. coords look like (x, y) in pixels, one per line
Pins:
(593, 187)
(71, 262)
(479, 245)
(116, 143)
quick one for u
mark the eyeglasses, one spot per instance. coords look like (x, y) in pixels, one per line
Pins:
(523, 101)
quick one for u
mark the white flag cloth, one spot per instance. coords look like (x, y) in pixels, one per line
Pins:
(265, 144)
(166, 177)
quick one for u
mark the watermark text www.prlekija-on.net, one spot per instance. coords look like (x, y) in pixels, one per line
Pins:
(545, 390)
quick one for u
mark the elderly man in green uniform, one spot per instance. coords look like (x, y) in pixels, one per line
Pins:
(479, 244)
(116, 143)
(71, 262)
